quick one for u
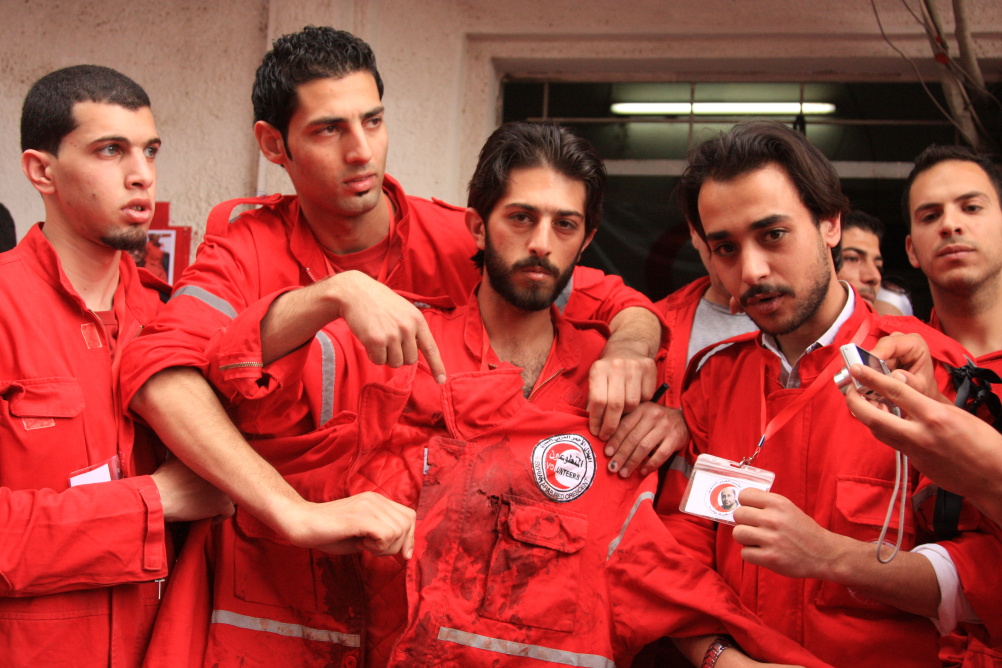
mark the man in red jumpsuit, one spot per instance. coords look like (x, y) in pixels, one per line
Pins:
(347, 234)
(697, 316)
(952, 201)
(803, 555)
(83, 543)
(528, 551)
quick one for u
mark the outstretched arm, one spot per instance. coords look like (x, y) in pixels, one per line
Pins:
(957, 450)
(182, 407)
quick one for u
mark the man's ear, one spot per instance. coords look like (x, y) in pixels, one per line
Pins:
(910, 249)
(37, 166)
(831, 231)
(269, 139)
(478, 229)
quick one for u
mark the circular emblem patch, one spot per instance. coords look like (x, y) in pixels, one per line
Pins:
(564, 466)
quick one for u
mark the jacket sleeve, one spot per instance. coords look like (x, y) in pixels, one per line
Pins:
(650, 572)
(221, 283)
(264, 399)
(696, 534)
(599, 296)
(85, 537)
(977, 544)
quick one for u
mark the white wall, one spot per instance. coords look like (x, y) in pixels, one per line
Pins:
(441, 61)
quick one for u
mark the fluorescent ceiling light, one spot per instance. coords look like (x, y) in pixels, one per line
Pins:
(721, 108)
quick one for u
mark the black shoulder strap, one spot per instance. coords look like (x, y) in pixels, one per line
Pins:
(973, 385)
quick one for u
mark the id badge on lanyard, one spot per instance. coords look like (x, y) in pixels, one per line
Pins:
(715, 482)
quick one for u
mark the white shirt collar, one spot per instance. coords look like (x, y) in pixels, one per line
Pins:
(790, 373)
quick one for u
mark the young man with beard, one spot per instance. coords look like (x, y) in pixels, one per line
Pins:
(527, 550)
(803, 555)
(349, 236)
(83, 544)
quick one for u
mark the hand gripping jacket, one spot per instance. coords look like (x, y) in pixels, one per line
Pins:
(76, 564)
(528, 551)
(833, 469)
(271, 248)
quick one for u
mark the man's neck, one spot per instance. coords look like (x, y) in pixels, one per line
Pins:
(350, 234)
(715, 295)
(92, 269)
(796, 342)
(522, 338)
(972, 317)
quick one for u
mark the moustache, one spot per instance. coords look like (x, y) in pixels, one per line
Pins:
(764, 289)
(536, 263)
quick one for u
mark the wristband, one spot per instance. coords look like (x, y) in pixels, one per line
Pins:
(714, 651)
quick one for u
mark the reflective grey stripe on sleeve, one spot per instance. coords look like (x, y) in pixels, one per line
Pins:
(679, 464)
(285, 629)
(206, 297)
(327, 386)
(923, 495)
(564, 296)
(512, 648)
(626, 524)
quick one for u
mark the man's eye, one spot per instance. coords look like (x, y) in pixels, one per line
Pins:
(775, 234)
(375, 121)
(110, 149)
(723, 250)
(151, 151)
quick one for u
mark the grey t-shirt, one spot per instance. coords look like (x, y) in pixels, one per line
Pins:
(713, 323)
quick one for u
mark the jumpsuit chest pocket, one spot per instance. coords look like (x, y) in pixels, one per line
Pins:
(42, 432)
(860, 508)
(532, 577)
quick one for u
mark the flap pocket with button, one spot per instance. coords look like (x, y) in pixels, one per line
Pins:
(534, 566)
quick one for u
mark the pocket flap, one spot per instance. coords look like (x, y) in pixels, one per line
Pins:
(536, 525)
(864, 500)
(45, 397)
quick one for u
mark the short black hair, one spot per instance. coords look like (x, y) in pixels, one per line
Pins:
(298, 58)
(47, 113)
(751, 146)
(520, 144)
(937, 153)
(864, 221)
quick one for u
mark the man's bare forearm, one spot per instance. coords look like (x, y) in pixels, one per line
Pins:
(637, 328)
(183, 409)
(908, 582)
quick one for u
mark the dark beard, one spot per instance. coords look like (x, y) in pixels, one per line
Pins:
(133, 239)
(817, 292)
(536, 298)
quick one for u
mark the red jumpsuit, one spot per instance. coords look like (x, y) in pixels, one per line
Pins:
(978, 646)
(832, 468)
(518, 560)
(271, 248)
(76, 564)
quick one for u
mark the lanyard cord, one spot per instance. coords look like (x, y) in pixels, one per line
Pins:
(823, 378)
(900, 460)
